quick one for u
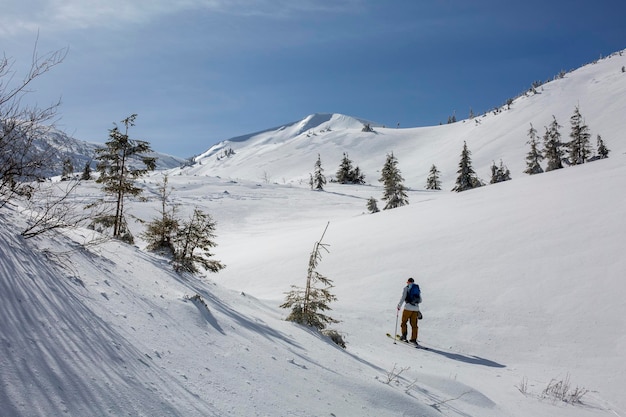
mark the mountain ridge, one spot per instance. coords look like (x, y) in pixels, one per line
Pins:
(500, 134)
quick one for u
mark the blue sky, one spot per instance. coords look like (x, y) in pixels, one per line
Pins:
(200, 71)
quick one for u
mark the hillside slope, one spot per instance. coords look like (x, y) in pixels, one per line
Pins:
(288, 154)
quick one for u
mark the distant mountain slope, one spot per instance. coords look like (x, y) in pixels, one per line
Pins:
(599, 89)
(80, 153)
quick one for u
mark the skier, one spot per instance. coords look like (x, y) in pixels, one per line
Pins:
(411, 299)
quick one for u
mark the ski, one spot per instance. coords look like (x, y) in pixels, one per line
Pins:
(407, 344)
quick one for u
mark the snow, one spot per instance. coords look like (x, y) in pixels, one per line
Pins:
(522, 281)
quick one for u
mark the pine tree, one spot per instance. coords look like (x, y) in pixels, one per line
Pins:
(317, 179)
(68, 169)
(467, 178)
(433, 182)
(534, 157)
(193, 242)
(603, 151)
(308, 304)
(552, 146)
(357, 176)
(394, 190)
(86, 176)
(160, 233)
(579, 147)
(344, 173)
(372, 207)
(499, 174)
(116, 175)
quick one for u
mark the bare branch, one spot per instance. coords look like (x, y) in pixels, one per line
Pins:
(23, 157)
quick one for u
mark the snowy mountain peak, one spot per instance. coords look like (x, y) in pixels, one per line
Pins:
(311, 125)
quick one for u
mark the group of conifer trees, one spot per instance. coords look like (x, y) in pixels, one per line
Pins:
(186, 242)
(394, 190)
(557, 153)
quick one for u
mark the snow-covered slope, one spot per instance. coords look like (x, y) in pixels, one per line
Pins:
(288, 154)
(523, 283)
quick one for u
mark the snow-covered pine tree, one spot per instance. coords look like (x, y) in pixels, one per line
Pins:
(357, 176)
(579, 146)
(317, 179)
(394, 189)
(346, 174)
(372, 207)
(552, 146)
(308, 304)
(499, 173)
(345, 170)
(433, 182)
(534, 156)
(467, 178)
(603, 151)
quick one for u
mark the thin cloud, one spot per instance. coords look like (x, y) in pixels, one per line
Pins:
(77, 14)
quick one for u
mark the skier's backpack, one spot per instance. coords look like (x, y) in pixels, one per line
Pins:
(414, 295)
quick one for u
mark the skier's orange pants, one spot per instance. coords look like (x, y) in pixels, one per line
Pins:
(411, 317)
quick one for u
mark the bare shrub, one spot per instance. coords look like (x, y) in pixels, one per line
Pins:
(523, 386)
(335, 336)
(394, 374)
(23, 157)
(561, 390)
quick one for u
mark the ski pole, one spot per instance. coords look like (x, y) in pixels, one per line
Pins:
(395, 330)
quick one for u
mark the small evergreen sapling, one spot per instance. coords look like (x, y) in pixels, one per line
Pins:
(579, 146)
(308, 304)
(367, 128)
(552, 146)
(186, 242)
(394, 190)
(499, 173)
(317, 180)
(161, 232)
(603, 151)
(86, 176)
(467, 178)
(372, 207)
(68, 169)
(433, 182)
(192, 243)
(534, 156)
